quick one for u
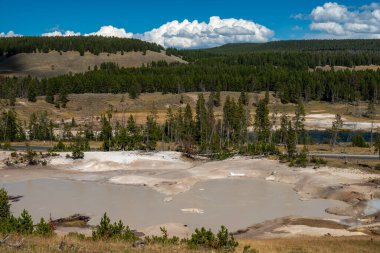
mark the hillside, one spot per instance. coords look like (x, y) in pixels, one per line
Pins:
(299, 46)
(55, 63)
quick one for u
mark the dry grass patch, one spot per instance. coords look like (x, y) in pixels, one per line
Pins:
(314, 245)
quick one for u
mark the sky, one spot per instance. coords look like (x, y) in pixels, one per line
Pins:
(193, 24)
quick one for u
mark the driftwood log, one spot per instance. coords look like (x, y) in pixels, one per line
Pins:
(17, 245)
(72, 218)
(14, 198)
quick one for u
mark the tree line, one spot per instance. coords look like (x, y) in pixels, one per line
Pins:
(289, 84)
(94, 44)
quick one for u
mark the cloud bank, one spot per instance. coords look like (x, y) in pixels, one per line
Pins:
(186, 34)
(110, 31)
(9, 34)
(333, 20)
(197, 34)
(59, 33)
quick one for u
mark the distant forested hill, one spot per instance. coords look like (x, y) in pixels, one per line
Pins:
(300, 45)
(82, 44)
(319, 51)
(288, 68)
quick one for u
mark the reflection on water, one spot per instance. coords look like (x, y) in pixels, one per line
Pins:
(236, 203)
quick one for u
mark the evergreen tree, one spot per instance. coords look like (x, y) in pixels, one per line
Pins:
(201, 120)
(336, 126)
(106, 133)
(32, 94)
(299, 120)
(262, 125)
(5, 207)
(291, 141)
(243, 98)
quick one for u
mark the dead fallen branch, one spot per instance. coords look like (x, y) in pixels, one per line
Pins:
(73, 220)
(14, 198)
(16, 245)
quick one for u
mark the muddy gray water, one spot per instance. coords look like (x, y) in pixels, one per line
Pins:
(236, 203)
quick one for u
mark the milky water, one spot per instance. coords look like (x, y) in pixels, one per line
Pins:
(236, 203)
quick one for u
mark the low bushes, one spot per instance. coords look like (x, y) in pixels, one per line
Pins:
(106, 230)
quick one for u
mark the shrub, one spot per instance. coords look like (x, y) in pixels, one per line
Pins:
(206, 239)
(203, 238)
(301, 159)
(5, 207)
(77, 154)
(248, 249)
(43, 228)
(164, 239)
(7, 146)
(318, 161)
(106, 230)
(358, 141)
(25, 223)
(59, 147)
(225, 240)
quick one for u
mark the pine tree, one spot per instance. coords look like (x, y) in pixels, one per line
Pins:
(284, 128)
(32, 94)
(291, 141)
(63, 98)
(299, 120)
(243, 98)
(5, 207)
(201, 120)
(336, 126)
(106, 133)
(262, 123)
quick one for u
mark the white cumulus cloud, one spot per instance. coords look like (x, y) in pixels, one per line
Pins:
(9, 34)
(333, 20)
(197, 34)
(110, 31)
(60, 34)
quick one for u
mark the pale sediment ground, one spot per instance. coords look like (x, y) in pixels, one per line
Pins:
(171, 174)
(324, 121)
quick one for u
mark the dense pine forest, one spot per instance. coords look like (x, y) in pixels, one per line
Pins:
(285, 67)
(93, 44)
(290, 84)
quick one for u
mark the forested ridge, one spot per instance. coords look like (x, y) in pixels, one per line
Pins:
(290, 73)
(305, 53)
(301, 45)
(289, 84)
(94, 44)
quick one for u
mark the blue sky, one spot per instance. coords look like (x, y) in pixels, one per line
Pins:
(27, 17)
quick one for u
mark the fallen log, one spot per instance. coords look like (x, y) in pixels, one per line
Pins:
(16, 245)
(15, 198)
(75, 220)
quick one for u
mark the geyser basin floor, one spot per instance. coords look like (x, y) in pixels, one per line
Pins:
(236, 203)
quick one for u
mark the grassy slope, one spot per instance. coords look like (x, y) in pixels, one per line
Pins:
(295, 245)
(53, 64)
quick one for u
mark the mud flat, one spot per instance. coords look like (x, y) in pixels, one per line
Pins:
(148, 190)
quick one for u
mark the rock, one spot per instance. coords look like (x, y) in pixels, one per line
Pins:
(138, 244)
(168, 199)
